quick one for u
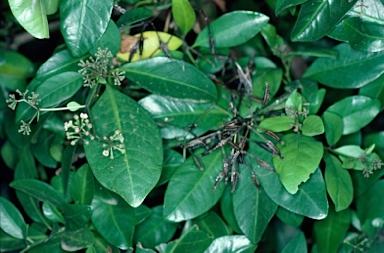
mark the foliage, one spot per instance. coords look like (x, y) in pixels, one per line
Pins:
(194, 126)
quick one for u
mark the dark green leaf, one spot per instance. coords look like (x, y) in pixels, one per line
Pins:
(82, 23)
(110, 40)
(333, 127)
(282, 5)
(374, 90)
(53, 245)
(317, 18)
(338, 182)
(133, 16)
(364, 35)
(77, 216)
(11, 222)
(230, 244)
(41, 149)
(82, 185)
(10, 243)
(289, 217)
(114, 222)
(212, 224)
(171, 78)
(302, 156)
(32, 16)
(52, 213)
(351, 70)
(134, 173)
(356, 112)
(41, 191)
(232, 29)
(77, 240)
(189, 186)
(277, 123)
(312, 125)
(154, 230)
(296, 245)
(141, 213)
(227, 210)
(330, 232)
(184, 15)
(253, 208)
(316, 52)
(172, 161)
(101, 246)
(371, 204)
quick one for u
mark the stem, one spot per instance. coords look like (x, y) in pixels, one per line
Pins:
(62, 108)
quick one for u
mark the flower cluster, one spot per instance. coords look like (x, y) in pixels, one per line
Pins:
(97, 70)
(78, 128)
(32, 99)
(375, 165)
(114, 142)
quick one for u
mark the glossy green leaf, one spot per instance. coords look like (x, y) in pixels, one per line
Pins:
(10, 243)
(262, 76)
(310, 200)
(317, 18)
(316, 52)
(277, 123)
(41, 191)
(374, 90)
(313, 95)
(296, 245)
(77, 216)
(232, 29)
(338, 182)
(282, 5)
(110, 40)
(11, 222)
(212, 223)
(330, 232)
(333, 125)
(41, 150)
(141, 213)
(350, 151)
(140, 249)
(364, 35)
(253, 208)
(101, 246)
(312, 125)
(31, 15)
(351, 70)
(77, 240)
(230, 244)
(172, 161)
(370, 205)
(154, 230)
(51, 6)
(172, 78)
(189, 186)
(289, 217)
(82, 23)
(132, 16)
(302, 156)
(52, 213)
(227, 210)
(134, 173)
(82, 186)
(356, 112)
(114, 222)
(53, 245)
(184, 15)
(14, 70)
(295, 102)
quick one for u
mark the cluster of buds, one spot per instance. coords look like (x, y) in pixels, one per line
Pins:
(32, 99)
(375, 165)
(114, 142)
(78, 128)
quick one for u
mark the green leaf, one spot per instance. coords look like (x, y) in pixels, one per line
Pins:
(296, 245)
(189, 186)
(132, 16)
(172, 161)
(350, 151)
(253, 208)
(82, 23)
(370, 205)
(114, 222)
(31, 14)
(52, 213)
(294, 101)
(110, 40)
(10, 243)
(58, 63)
(41, 191)
(231, 243)
(364, 35)
(172, 78)
(356, 112)
(282, 5)
(77, 216)
(289, 217)
(51, 6)
(338, 182)
(77, 240)
(183, 14)
(310, 200)
(374, 90)
(315, 52)
(317, 18)
(101, 246)
(154, 230)
(352, 69)
(302, 156)
(312, 125)
(82, 185)
(212, 223)
(242, 24)
(227, 210)
(134, 173)
(330, 232)
(14, 70)
(333, 127)
(277, 123)
(11, 222)
(141, 213)
(53, 245)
